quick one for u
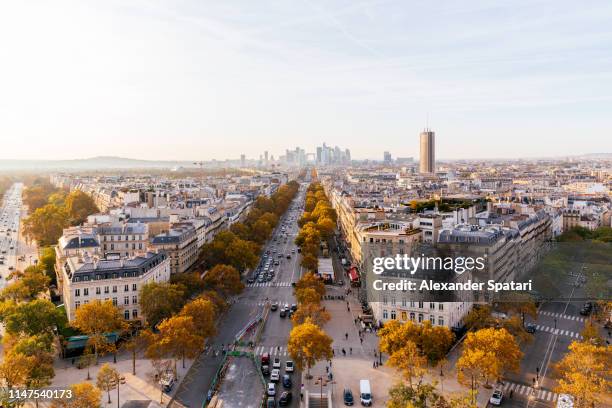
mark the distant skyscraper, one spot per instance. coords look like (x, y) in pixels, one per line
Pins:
(387, 157)
(266, 157)
(242, 160)
(427, 163)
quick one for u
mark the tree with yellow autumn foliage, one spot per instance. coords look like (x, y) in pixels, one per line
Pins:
(585, 373)
(307, 344)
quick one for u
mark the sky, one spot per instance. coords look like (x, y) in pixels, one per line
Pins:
(204, 79)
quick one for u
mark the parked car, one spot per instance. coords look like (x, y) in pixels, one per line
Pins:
(265, 369)
(497, 397)
(530, 328)
(285, 398)
(347, 397)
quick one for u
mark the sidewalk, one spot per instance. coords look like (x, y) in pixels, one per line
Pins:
(358, 364)
(141, 387)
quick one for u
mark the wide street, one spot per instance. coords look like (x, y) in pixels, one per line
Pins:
(11, 245)
(243, 308)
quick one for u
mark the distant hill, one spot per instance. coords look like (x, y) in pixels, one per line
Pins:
(99, 162)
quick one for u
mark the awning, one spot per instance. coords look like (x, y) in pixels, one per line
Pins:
(353, 274)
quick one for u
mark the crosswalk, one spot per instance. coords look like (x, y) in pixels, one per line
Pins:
(264, 284)
(560, 332)
(562, 316)
(280, 351)
(540, 394)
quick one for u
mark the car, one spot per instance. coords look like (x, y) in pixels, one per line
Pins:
(288, 256)
(283, 313)
(289, 366)
(274, 307)
(265, 369)
(285, 398)
(530, 328)
(271, 403)
(347, 397)
(497, 397)
(271, 389)
(275, 375)
(265, 359)
(250, 280)
(286, 381)
(277, 363)
(586, 310)
(293, 307)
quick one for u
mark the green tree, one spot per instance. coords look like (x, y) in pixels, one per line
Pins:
(35, 317)
(160, 300)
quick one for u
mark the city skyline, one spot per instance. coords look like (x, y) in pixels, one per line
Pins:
(148, 81)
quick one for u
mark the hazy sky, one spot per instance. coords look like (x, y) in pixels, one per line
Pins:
(203, 79)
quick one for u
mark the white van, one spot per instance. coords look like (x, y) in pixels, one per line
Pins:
(365, 393)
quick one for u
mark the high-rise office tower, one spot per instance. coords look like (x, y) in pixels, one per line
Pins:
(242, 160)
(387, 157)
(427, 163)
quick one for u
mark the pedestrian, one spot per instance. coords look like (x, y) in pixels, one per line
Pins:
(511, 392)
(333, 352)
(346, 336)
(349, 309)
(343, 352)
(327, 369)
(374, 364)
(351, 351)
(356, 325)
(361, 340)
(330, 363)
(302, 393)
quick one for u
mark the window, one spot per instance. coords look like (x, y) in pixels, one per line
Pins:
(106, 289)
(440, 321)
(393, 315)
(126, 288)
(126, 300)
(134, 314)
(403, 302)
(440, 306)
(420, 305)
(420, 317)
(134, 287)
(86, 292)
(432, 319)
(385, 314)
(134, 300)
(432, 305)
(412, 316)
(114, 301)
(77, 304)
(404, 316)
(114, 289)
(112, 247)
(392, 301)
(140, 245)
(384, 300)
(77, 292)
(126, 314)
(98, 291)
